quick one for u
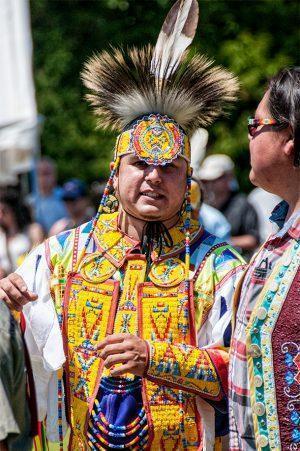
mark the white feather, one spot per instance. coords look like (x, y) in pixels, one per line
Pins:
(172, 43)
(198, 142)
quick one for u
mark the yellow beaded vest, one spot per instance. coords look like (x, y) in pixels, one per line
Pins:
(109, 294)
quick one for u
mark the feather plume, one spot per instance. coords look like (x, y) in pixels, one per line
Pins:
(176, 35)
(123, 89)
(198, 143)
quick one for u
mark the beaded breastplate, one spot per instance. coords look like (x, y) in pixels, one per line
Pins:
(109, 294)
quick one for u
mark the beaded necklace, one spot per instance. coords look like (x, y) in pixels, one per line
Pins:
(102, 431)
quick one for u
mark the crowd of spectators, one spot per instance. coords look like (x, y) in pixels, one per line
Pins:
(26, 222)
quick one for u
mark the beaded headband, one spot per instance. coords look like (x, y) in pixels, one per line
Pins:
(155, 139)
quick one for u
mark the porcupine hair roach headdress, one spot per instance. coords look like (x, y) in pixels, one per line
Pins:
(156, 97)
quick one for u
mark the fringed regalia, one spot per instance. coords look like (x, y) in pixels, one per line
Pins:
(174, 290)
(111, 293)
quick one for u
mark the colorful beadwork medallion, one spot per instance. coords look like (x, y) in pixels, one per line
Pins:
(155, 139)
(169, 272)
(96, 268)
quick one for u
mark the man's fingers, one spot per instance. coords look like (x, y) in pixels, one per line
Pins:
(111, 339)
(13, 293)
(123, 369)
(117, 358)
(115, 348)
(30, 296)
(19, 283)
(10, 305)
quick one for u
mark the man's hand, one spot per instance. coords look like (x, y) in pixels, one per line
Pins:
(129, 350)
(14, 292)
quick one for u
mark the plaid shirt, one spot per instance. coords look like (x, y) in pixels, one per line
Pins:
(242, 435)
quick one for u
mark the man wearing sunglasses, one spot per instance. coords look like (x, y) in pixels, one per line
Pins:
(264, 381)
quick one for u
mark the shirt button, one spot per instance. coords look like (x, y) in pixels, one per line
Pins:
(262, 440)
(259, 408)
(288, 261)
(261, 313)
(274, 286)
(258, 381)
(254, 350)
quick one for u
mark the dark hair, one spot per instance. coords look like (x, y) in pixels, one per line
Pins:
(21, 213)
(284, 103)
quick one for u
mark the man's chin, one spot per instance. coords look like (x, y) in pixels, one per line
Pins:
(252, 178)
(151, 214)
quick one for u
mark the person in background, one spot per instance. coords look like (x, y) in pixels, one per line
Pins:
(17, 413)
(264, 381)
(221, 190)
(47, 206)
(14, 242)
(209, 217)
(264, 203)
(74, 194)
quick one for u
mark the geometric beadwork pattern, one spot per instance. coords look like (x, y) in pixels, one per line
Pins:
(165, 318)
(89, 311)
(186, 366)
(159, 310)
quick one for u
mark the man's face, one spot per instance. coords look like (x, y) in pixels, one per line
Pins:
(217, 189)
(150, 192)
(76, 207)
(7, 218)
(266, 156)
(46, 176)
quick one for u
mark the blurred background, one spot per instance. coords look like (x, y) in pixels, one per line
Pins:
(44, 44)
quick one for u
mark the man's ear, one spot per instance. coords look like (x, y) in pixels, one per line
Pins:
(115, 182)
(116, 177)
(288, 147)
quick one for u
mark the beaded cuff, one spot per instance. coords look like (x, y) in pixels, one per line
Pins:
(185, 367)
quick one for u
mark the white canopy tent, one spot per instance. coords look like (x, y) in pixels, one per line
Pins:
(18, 113)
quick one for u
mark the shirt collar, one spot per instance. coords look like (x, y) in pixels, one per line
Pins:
(291, 226)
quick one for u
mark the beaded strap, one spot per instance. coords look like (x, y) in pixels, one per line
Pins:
(106, 193)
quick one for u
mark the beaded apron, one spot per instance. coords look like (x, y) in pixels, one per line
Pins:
(159, 309)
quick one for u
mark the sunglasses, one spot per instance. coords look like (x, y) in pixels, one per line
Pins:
(253, 123)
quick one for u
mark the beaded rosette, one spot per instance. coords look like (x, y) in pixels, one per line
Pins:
(155, 139)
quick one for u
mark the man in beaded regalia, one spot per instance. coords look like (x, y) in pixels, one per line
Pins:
(129, 335)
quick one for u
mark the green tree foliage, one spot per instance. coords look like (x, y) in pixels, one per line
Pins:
(252, 38)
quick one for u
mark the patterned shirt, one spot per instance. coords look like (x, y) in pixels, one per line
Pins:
(242, 436)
